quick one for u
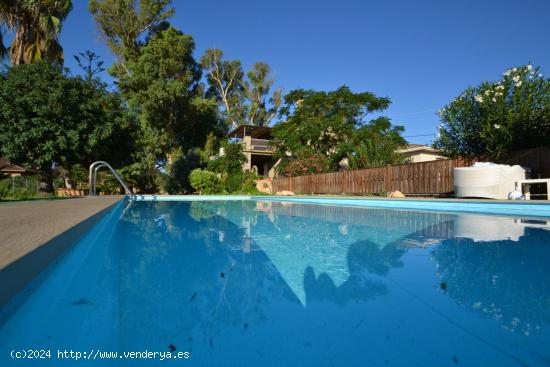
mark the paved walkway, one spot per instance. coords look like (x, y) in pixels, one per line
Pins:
(25, 226)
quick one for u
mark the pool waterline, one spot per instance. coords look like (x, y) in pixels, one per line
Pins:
(519, 208)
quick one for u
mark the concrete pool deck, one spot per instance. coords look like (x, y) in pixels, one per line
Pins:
(26, 225)
(34, 233)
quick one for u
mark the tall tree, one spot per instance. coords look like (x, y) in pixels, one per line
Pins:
(163, 88)
(262, 107)
(126, 23)
(225, 78)
(244, 99)
(90, 63)
(3, 48)
(35, 26)
(49, 118)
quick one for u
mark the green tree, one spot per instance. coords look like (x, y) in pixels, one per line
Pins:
(375, 144)
(331, 126)
(35, 26)
(50, 119)
(163, 88)
(90, 63)
(229, 166)
(3, 48)
(243, 99)
(225, 79)
(497, 117)
(262, 108)
(126, 23)
(230, 161)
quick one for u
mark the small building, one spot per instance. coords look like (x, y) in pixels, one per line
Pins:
(255, 141)
(13, 170)
(420, 153)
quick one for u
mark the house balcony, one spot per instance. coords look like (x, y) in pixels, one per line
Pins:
(259, 146)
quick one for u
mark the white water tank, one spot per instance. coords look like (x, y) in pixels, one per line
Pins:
(481, 228)
(486, 180)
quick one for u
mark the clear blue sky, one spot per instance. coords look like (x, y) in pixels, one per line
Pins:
(419, 53)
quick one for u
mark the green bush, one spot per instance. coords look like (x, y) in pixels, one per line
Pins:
(234, 182)
(495, 118)
(306, 166)
(205, 182)
(241, 182)
(108, 184)
(230, 162)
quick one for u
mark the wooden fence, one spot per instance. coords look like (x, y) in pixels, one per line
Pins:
(424, 178)
(537, 160)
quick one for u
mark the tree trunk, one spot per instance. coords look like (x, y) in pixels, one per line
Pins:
(45, 186)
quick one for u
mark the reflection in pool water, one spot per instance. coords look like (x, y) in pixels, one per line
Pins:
(273, 283)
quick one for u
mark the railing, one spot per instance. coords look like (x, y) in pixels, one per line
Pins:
(94, 168)
(257, 144)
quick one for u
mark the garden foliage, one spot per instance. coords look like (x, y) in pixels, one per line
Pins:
(494, 118)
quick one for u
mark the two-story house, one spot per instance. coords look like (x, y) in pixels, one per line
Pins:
(255, 145)
(255, 141)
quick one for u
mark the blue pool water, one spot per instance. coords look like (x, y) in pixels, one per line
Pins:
(274, 283)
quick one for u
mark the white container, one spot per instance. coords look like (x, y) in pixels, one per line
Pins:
(482, 228)
(486, 180)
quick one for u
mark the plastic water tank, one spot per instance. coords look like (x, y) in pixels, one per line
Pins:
(486, 180)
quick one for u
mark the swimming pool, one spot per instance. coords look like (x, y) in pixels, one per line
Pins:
(253, 282)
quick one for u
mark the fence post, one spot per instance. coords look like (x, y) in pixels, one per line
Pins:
(388, 178)
(291, 185)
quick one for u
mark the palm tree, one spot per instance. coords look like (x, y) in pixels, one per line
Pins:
(3, 49)
(35, 26)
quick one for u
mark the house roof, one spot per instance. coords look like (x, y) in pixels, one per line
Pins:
(6, 167)
(259, 132)
(411, 148)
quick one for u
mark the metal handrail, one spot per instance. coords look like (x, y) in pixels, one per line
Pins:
(92, 178)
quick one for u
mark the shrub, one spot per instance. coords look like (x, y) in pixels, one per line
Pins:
(234, 182)
(306, 166)
(371, 153)
(107, 183)
(241, 182)
(498, 117)
(176, 179)
(205, 182)
(230, 162)
(249, 183)
(18, 188)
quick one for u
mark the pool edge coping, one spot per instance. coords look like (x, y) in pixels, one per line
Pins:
(510, 208)
(18, 274)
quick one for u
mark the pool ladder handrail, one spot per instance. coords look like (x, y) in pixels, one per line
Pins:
(92, 179)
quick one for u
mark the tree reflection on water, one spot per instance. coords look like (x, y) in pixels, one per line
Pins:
(505, 280)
